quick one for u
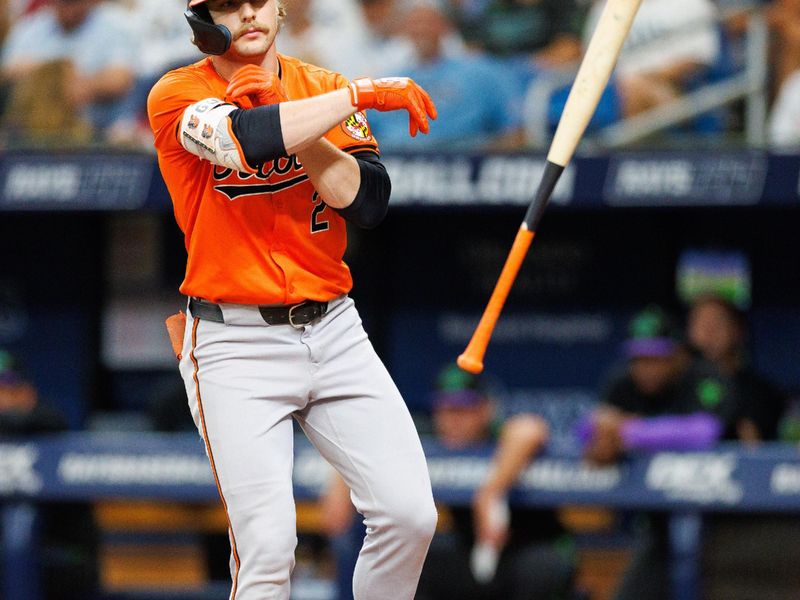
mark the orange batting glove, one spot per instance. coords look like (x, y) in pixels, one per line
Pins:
(395, 93)
(256, 84)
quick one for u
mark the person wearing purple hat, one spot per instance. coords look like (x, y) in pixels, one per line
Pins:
(663, 399)
(717, 330)
(494, 551)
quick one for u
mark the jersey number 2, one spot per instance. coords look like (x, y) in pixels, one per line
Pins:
(318, 225)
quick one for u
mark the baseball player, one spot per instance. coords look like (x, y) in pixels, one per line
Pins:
(266, 158)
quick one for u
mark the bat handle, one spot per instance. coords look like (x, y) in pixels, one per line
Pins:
(472, 358)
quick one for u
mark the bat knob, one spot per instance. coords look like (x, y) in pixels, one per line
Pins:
(469, 364)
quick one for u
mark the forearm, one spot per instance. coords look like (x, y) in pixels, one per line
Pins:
(521, 439)
(18, 69)
(679, 73)
(106, 85)
(304, 122)
(334, 174)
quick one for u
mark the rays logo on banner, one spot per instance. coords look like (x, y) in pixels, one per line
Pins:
(698, 477)
(18, 469)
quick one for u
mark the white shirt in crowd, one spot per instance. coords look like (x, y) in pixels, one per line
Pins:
(340, 39)
(165, 40)
(784, 125)
(335, 40)
(665, 32)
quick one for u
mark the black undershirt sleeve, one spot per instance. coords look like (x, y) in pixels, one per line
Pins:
(259, 133)
(372, 200)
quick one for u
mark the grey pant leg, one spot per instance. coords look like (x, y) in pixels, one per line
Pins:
(360, 424)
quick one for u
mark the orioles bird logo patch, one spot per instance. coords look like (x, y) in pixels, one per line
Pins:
(194, 122)
(208, 131)
(357, 127)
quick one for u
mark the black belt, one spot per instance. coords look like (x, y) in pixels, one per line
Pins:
(295, 315)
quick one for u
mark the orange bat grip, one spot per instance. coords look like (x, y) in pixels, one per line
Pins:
(472, 358)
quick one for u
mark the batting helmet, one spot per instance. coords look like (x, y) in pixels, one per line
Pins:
(209, 37)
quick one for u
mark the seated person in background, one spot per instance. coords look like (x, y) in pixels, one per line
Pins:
(96, 46)
(493, 552)
(21, 412)
(784, 21)
(717, 330)
(545, 31)
(476, 101)
(312, 28)
(160, 28)
(535, 554)
(672, 43)
(663, 399)
(783, 17)
(68, 536)
(382, 49)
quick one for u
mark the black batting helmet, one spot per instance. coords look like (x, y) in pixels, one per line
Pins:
(209, 37)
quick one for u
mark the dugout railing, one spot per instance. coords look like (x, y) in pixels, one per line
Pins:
(94, 467)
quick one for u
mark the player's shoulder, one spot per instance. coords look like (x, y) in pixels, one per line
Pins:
(312, 74)
(193, 74)
(183, 81)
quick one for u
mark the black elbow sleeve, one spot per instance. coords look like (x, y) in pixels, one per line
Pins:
(372, 200)
(259, 133)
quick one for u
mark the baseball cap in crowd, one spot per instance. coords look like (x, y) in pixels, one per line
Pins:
(455, 388)
(10, 369)
(652, 333)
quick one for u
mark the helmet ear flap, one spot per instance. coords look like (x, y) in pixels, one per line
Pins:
(209, 37)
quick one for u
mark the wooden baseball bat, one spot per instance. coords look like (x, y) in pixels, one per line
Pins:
(593, 75)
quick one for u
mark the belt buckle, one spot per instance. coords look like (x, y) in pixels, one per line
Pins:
(291, 315)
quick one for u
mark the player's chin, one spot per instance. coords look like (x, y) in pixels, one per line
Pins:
(253, 47)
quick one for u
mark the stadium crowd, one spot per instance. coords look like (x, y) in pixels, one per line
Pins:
(77, 72)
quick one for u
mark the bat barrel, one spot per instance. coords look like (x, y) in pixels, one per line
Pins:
(592, 78)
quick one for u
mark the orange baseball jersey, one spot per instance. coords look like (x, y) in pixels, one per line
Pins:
(257, 234)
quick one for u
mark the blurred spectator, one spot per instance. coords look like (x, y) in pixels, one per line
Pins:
(312, 30)
(663, 399)
(548, 31)
(783, 17)
(671, 46)
(67, 532)
(80, 57)
(784, 122)
(5, 18)
(476, 101)
(718, 331)
(21, 412)
(493, 552)
(382, 51)
(535, 555)
(165, 43)
(14, 9)
(784, 22)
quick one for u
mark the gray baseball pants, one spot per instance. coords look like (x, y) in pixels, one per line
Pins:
(246, 381)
